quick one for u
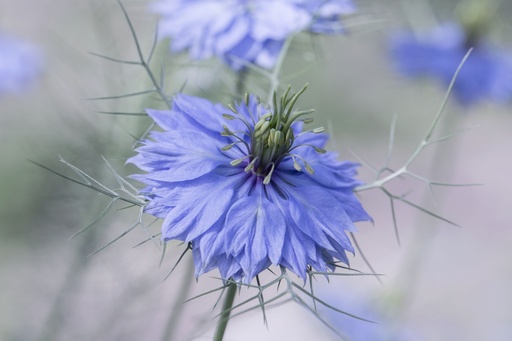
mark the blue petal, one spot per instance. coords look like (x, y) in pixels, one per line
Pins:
(259, 231)
(201, 203)
(203, 113)
(184, 155)
(276, 20)
(294, 252)
(227, 40)
(325, 214)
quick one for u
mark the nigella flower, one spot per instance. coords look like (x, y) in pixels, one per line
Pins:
(20, 64)
(327, 14)
(248, 188)
(385, 326)
(486, 74)
(242, 32)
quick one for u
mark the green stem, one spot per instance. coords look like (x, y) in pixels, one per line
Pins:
(177, 310)
(274, 76)
(240, 83)
(57, 317)
(226, 311)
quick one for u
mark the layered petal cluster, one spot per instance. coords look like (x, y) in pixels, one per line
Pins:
(487, 73)
(241, 204)
(20, 64)
(242, 32)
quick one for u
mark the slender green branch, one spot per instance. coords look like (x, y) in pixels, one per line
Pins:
(379, 183)
(143, 62)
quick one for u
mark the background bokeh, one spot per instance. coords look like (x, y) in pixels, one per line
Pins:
(441, 283)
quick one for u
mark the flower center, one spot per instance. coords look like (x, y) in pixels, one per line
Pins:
(272, 137)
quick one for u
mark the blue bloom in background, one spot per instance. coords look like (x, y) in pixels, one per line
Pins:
(383, 326)
(248, 187)
(20, 65)
(327, 14)
(242, 32)
(487, 73)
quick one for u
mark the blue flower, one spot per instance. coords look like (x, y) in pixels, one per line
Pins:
(327, 14)
(20, 65)
(248, 188)
(487, 73)
(386, 326)
(242, 32)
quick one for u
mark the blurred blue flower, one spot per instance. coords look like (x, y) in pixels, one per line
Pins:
(242, 32)
(487, 73)
(327, 14)
(383, 326)
(248, 188)
(20, 65)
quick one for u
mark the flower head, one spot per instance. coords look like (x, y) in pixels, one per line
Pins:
(242, 32)
(20, 64)
(386, 327)
(486, 74)
(248, 188)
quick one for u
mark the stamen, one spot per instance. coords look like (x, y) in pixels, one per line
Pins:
(232, 108)
(262, 129)
(309, 169)
(236, 162)
(226, 131)
(296, 165)
(250, 166)
(278, 138)
(267, 179)
(228, 117)
(228, 147)
(319, 150)
(271, 136)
